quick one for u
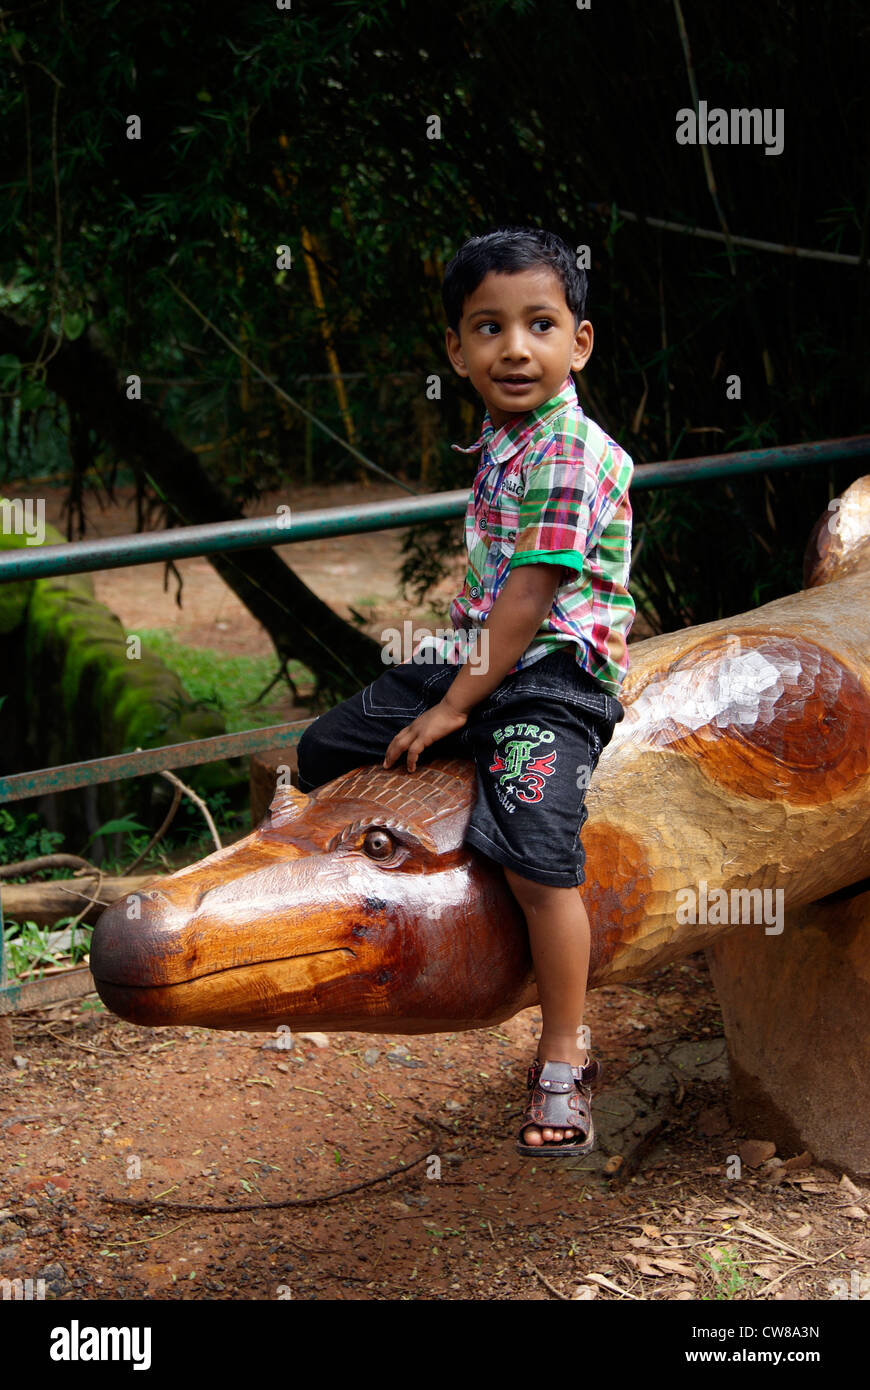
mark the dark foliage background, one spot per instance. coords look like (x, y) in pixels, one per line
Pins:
(263, 127)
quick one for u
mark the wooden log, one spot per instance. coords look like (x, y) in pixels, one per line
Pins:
(795, 1008)
(266, 767)
(44, 903)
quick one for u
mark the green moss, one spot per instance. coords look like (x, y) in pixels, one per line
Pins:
(88, 696)
(78, 694)
(14, 597)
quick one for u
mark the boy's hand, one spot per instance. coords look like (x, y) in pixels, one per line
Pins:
(434, 723)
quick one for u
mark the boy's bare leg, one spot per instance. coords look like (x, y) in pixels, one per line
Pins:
(559, 937)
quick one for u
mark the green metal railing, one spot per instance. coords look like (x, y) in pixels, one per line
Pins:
(116, 552)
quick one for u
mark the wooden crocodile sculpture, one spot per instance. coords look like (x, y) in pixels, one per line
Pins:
(743, 763)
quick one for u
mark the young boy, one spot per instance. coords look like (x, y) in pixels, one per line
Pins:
(548, 533)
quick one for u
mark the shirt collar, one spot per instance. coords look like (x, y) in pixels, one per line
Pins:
(504, 443)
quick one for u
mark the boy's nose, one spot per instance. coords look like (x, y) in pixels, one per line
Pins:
(515, 346)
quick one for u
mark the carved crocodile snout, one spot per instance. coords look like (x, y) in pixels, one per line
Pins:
(358, 906)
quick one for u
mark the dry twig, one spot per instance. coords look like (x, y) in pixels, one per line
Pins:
(144, 1204)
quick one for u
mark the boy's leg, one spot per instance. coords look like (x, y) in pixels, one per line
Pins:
(536, 745)
(360, 729)
(559, 938)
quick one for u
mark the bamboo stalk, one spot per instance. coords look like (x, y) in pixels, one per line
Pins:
(309, 247)
(753, 243)
(708, 165)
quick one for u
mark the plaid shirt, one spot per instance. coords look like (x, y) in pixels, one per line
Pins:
(552, 488)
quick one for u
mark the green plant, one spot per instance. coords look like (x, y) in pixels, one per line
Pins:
(728, 1271)
(30, 948)
(25, 838)
(115, 827)
(220, 680)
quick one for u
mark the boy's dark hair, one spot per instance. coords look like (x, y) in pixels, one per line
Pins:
(507, 250)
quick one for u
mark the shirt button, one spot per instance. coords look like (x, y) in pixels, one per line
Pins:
(475, 593)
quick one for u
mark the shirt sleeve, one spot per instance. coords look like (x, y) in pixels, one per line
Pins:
(554, 514)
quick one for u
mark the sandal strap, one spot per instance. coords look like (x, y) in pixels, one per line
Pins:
(559, 1098)
(587, 1076)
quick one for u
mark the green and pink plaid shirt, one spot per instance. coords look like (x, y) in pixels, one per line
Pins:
(552, 488)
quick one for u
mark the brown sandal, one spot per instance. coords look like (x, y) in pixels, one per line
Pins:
(560, 1098)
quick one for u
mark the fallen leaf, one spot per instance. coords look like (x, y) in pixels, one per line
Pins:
(804, 1160)
(810, 1185)
(319, 1039)
(613, 1164)
(644, 1266)
(650, 1230)
(609, 1284)
(755, 1151)
(639, 1242)
(773, 1176)
(684, 1295)
(586, 1292)
(855, 1213)
(673, 1266)
(724, 1213)
(802, 1232)
(847, 1185)
(766, 1271)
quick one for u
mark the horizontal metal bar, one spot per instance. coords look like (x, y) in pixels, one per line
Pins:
(251, 533)
(73, 983)
(145, 760)
(820, 452)
(118, 552)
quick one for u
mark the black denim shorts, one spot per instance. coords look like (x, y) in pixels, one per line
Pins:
(535, 741)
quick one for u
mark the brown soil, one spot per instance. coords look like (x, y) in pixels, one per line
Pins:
(94, 1108)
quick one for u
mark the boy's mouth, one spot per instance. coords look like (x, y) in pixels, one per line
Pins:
(515, 380)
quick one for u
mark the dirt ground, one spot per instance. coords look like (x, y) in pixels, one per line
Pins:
(94, 1109)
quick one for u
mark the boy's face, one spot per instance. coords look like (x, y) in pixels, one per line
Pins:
(517, 341)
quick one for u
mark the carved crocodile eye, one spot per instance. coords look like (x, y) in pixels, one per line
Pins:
(378, 844)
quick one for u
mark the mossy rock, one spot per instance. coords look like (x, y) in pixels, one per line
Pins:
(14, 597)
(105, 701)
(79, 693)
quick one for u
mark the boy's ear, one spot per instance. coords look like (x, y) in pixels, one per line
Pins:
(583, 342)
(454, 352)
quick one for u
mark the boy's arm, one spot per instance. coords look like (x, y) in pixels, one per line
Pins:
(515, 617)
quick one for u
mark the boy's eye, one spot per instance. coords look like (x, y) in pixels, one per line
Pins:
(482, 326)
(548, 323)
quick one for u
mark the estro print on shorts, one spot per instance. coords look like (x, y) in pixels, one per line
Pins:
(522, 769)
